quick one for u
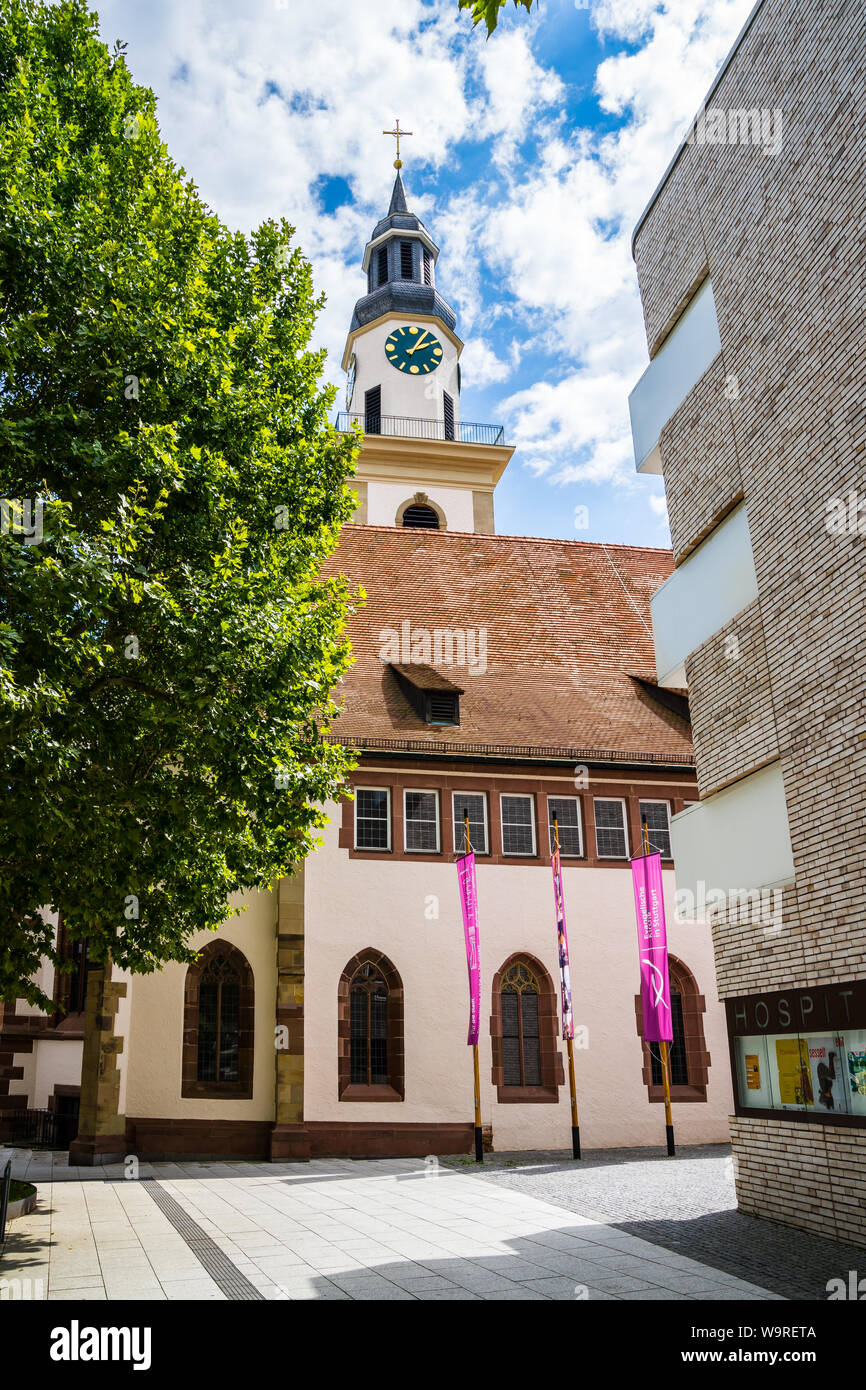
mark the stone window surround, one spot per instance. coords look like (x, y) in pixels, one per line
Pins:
(697, 1058)
(552, 1071)
(420, 499)
(242, 1088)
(395, 1089)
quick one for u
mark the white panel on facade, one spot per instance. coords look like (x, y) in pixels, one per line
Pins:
(670, 376)
(713, 585)
(736, 841)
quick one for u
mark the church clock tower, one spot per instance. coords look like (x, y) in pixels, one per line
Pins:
(420, 465)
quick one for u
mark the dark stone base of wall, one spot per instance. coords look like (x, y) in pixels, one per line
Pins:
(198, 1139)
(254, 1139)
(337, 1139)
(90, 1151)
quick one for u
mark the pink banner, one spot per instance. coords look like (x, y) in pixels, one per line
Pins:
(469, 904)
(655, 989)
(562, 946)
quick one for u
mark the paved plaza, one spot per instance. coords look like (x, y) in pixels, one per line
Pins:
(687, 1205)
(331, 1229)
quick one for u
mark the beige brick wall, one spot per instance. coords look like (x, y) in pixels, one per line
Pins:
(699, 460)
(806, 1175)
(759, 946)
(782, 238)
(731, 702)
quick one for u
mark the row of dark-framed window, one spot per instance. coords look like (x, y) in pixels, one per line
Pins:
(405, 259)
(524, 1026)
(422, 823)
(526, 1031)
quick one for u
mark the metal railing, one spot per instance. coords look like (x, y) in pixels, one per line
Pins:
(411, 427)
(5, 1187)
(38, 1129)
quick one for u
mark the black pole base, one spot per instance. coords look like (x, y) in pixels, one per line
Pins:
(479, 1145)
(672, 1151)
(575, 1141)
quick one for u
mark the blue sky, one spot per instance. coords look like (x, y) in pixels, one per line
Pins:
(532, 156)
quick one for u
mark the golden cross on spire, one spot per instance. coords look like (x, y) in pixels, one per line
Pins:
(398, 163)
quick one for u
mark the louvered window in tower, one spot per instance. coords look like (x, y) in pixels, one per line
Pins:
(373, 410)
(448, 404)
(382, 268)
(407, 264)
(421, 517)
(428, 268)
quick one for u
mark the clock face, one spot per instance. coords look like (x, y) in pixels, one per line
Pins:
(413, 350)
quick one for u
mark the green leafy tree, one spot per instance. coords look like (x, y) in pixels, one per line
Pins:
(488, 10)
(171, 486)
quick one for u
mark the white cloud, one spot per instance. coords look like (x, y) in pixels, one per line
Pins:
(260, 102)
(516, 89)
(562, 238)
(480, 364)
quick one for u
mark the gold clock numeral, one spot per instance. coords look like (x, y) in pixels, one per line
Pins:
(414, 369)
(437, 352)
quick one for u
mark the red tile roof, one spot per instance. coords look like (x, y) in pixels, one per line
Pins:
(566, 626)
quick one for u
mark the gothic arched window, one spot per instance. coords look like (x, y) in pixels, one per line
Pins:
(687, 1054)
(527, 1065)
(370, 1029)
(219, 1003)
(218, 1024)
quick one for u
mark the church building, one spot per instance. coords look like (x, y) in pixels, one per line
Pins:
(504, 680)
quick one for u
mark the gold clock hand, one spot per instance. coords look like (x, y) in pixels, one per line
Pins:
(420, 343)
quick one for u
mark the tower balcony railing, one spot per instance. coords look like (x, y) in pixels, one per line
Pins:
(409, 427)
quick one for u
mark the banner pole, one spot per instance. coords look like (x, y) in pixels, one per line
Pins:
(666, 1080)
(569, 1042)
(479, 1135)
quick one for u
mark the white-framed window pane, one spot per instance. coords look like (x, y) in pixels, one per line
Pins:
(658, 822)
(567, 812)
(475, 805)
(421, 821)
(372, 818)
(610, 837)
(518, 828)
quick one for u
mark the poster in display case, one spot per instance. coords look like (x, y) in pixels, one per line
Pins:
(827, 1064)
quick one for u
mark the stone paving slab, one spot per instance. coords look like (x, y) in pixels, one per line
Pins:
(368, 1230)
(685, 1206)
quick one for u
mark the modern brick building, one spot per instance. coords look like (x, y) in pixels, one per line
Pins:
(752, 268)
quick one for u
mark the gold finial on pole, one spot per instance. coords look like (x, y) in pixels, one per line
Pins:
(398, 163)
